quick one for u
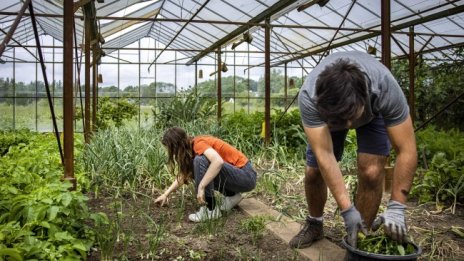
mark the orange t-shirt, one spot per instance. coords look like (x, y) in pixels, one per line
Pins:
(227, 152)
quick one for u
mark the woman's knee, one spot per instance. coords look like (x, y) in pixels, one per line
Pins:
(200, 165)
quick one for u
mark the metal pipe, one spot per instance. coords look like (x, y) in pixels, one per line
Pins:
(267, 83)
(386, 28)
(68, 99)
(13, 27)
(78, 69)
(87, 80)
(412, 66)
(94, 89)
(50, 102)
(219, 86)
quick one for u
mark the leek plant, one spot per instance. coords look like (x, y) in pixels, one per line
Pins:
(126, 160)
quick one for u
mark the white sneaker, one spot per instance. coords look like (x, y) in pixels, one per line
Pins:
(204, 214)
(230, 202)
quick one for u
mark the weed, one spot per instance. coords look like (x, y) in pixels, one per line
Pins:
(256, 226)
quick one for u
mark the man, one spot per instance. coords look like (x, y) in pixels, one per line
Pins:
(352, 90)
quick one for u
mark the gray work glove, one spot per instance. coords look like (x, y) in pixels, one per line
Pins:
(353, 224)
(393, 221)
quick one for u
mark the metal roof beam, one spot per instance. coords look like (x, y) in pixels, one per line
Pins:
(425, 19)
(259, 18)
(178, 32)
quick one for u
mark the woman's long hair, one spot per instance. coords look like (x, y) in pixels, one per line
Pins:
(180, 153)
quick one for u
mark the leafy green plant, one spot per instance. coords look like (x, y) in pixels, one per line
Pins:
(255, 225)
(177, 111)
(104, 235)
(40, 218)
(379, 243)
(114, 112)
(156, 233)
(10, 138)
(442, 161)
(455, 190)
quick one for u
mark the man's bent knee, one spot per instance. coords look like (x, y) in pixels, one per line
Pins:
(312, 175)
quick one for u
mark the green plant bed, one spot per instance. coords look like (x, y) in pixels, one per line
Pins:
(380, 247)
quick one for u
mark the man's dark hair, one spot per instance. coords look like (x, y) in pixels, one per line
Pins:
(341, 90)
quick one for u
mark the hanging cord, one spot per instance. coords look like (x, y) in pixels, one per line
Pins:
(78, 65)
(50, 102)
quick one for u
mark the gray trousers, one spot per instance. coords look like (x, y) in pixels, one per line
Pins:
(229, 180)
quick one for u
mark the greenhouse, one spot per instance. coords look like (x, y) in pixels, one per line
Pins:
(231, 130)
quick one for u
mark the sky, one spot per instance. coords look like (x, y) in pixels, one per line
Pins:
(129, 73)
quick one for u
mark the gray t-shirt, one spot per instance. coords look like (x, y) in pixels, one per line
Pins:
(387, 99)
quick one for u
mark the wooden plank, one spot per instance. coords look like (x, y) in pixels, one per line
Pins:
(285, 228)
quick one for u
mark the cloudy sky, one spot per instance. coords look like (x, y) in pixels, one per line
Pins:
(129, 70)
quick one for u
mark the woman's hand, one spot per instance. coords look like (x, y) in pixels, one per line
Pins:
(201, 195)
(161, 200)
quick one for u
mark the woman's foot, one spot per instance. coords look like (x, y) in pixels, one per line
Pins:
(230, 202)
(204, 214)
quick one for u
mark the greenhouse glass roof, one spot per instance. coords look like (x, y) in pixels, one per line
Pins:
(199, 27)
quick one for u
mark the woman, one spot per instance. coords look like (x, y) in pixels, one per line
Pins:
(212, 164)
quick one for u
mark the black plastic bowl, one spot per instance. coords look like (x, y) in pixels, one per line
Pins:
(353, 254)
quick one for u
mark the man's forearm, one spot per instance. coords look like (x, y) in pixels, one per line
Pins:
(334, 180)
(403, 175)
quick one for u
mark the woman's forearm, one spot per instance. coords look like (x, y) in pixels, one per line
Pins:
(172, 188)
(211, 173)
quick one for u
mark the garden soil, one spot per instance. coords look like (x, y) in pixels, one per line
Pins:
(430, 226)
(225, 239)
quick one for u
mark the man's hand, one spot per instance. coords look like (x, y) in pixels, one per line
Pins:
(353, 224)
(161, 200)
(393, 221)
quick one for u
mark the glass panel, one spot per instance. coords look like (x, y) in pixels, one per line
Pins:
(146, 112)
(129, 55)
(79, 119)
(25, 85)
(256, 104)
(109, 86)
(277, 82)
(22, 55)
(6, 113)
(134, 122)
(242, 85)
(57, 87)
(185, 77)
(6, 83)
(44, 118)
(257, 81)
(129, 81)
(165, 80)
(58, 107)
(25, 113)
(228, 105)
(241, 104)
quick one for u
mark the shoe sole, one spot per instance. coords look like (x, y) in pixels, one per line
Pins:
(307, 244)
